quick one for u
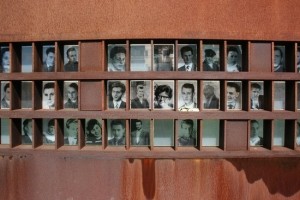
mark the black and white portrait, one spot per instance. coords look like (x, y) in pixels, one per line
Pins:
(163, 94)
(5, 59)
(187, 95)
(27, 58)
(93, 131)
(26, 94)
(211, 57)
(71, 94)
(298, 133)
(256, 132)
(48, 58)
(257, 95)
(211, 95)
(116, 57)
(48, 95)
(48, 131)
(163, 57)
(27, 131)
(187, 57)
(5, 95)
(116, 132)
(163, 132)
(140, 132)
(211, 132)
(140, 94)
(5, 131)
(71, 55)
(140, 57)
(234, 58)
(187, 135)
(71, 131)
(279, 95)
(279, 59)
(234, 95)
(116, 94)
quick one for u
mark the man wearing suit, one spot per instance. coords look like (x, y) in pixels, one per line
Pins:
(278, 60)
(72, 65)
(72, 93)
(255, 139)
(117, 90)
(5, 101)
(139, 101)
(208, 63)
(233, 95)
(139, 136)
(187, 95)
(118, 133)
(48, 65)
(27, 130)
(187, 55)
(211, 101)
(257, 100)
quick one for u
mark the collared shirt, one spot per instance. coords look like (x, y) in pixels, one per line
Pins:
(188, 67)
(117, 104)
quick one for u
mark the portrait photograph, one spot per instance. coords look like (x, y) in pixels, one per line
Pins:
(163, 132)
(234, 58)
(26, 94)
(211, 95)
(116, 132)
(298, 133)
(5, 60)
(48, 58)
(210, 133)
(211, 57)
(48, 131)
(279, 95)
(234, 95)
(71, 95)
(256, 95)
(279, 59)
(187, 57)
(27, 131)
(140, 57)
(71, 131)
(163, 91)
(256, 132)
(5, 95)
(116, 94)
(140, 132)
(163, 57)
(49, 95)
(140, 94)
(298, 95)
(26, 59)
(71, 55)
(279, 135)
(93, 131)
(5, 127)
(187, 134)
(187, 95)
(116, 57)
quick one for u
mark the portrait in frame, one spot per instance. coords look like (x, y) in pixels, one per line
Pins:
(116, 57)
(163, 91)
(211, 95)
(187, 95)
(49, 95)
(48, 131)
(48, 58)
(71, 131)
(93, 131)
(211, 57)
(187, 134)
(256, 132)
(71, 55)
(279, 59)
(116, 94)
(140, 132)
(71, 95)
(5, 95)
(5, 59)
(234, 58)
(256, 95)
(187, 57)
(116, 132)
(234, 95)
(140, 94)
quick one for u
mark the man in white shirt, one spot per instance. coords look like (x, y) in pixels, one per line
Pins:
(233, 93)
(116, 94)
(255, 139)
(187, 95)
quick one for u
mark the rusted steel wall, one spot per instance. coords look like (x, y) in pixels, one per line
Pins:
(63, 175)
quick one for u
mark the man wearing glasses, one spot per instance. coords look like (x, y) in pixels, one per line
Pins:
(163, 95)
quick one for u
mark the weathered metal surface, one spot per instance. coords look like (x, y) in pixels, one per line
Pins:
(73, 175)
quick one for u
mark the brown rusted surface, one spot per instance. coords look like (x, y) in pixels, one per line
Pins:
(93, 19)
(71, 175)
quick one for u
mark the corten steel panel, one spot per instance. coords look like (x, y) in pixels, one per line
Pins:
(67, 175)
(93, 19)
(236, 135)
(90, 58)
(260, 57)
(91, 95)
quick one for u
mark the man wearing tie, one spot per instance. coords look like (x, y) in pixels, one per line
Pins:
(117, 90)
(48, 65)
(187, 55)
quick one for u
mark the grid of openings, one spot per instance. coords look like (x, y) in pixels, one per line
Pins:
(151, 94)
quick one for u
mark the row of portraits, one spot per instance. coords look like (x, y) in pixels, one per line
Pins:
(140, 132)
(160, 94)
(141, 58)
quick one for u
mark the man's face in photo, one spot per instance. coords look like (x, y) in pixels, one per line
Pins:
(116, 93)
(72, 94)
(118, 131)
(73, 129)
(187, 95)
(208, 92)
(255, 92)
(49, 96)
(50, 59)
(187, 57)
(119, 61)
(277, 57)
(186, 130)
(254, 129)
(232, 57)
(72, 55)
(138, 126)
(7, 94)
(232, 94)
(51, 130)
(140, 92)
